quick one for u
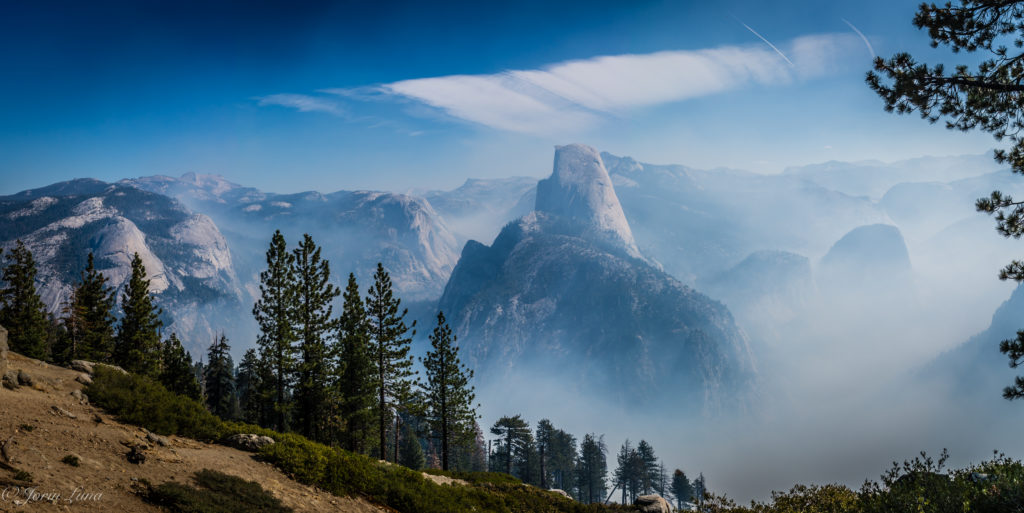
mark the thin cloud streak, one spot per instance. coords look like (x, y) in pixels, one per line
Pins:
(769, 43)
(301, 103)
(862, 37)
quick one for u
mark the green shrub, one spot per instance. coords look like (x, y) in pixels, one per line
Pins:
(217, 493)
(71, 459)
(21, 475)
(143, 402)
(26, 427)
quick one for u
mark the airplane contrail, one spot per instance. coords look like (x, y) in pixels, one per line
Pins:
(769, 43)
(862, 37)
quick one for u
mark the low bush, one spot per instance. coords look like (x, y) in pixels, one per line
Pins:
(143, 402)
(71, 459)
(217, 493)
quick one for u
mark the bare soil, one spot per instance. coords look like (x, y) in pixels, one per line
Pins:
(38, 436)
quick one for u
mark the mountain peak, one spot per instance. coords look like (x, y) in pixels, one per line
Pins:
(581, 189)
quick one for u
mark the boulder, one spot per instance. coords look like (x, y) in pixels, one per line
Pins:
(154, 438)
(560, 492)
(82, 366)
(249, 442)
(111, 367)
(79, 396)
(652, 504)
(26, 379)
(61, 412)
(84, 379)
(3, 351)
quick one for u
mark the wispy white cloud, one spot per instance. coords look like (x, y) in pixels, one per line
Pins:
(302, 103)
(576, 95)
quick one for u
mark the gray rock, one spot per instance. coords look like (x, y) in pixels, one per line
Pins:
(154, 438)
(84, 379)
(25, 379)
(3, 351)
(79, 396)
(111, 367)
(249, 442)
(10, 380)
(82, 366)
(561, 492)
(652, 504)
(62, 412)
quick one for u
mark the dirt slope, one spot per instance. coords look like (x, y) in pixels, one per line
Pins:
(38, 437)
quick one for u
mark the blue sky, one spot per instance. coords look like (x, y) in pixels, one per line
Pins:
(391, 95)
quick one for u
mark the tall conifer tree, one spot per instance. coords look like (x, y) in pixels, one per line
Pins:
(176, 370)
(391, 343)
(356, 371)
(248, 386)
(137, 347)
(275, 313)
(591, 469)
(220, 379)
(314, 326)
(90, 318)
(22, 312)
(449, 396)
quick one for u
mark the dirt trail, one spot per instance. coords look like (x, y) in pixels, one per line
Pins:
(40, 436)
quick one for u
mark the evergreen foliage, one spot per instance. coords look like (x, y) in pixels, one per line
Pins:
(682, 490)
(557, 449)
(22, 311)
(220, 380)
(314, 327)
(275, 313)
(410, 450)
(390, 351)
(514, 445)
(249, 385)
(988, 97)
(176, 369)
(89, 318)
(137, 347)
(449, 396)
(592, 469)
(355, 371)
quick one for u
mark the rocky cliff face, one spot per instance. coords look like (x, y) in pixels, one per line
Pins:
(562, 289)
(356, 228)
(187, 259)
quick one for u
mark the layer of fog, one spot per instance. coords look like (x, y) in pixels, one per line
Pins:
(847, 382)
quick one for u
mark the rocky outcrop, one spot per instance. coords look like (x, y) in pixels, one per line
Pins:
(249, 442)
(580, 190)
(652, 504)
(560, 286)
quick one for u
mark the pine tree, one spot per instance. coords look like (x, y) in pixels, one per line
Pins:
(275, 313)
(558, 449)
(137, 347)
(410, 451)
(248, 383)
(681, 488)
(390, 351)
(356, 372)
(176, 370)
(516, 436)
(314, 326)
(220, 379)
(449, 397)
(646, 468)
(591, 469)
(90, 319)
(987, 95)
(22, 312)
